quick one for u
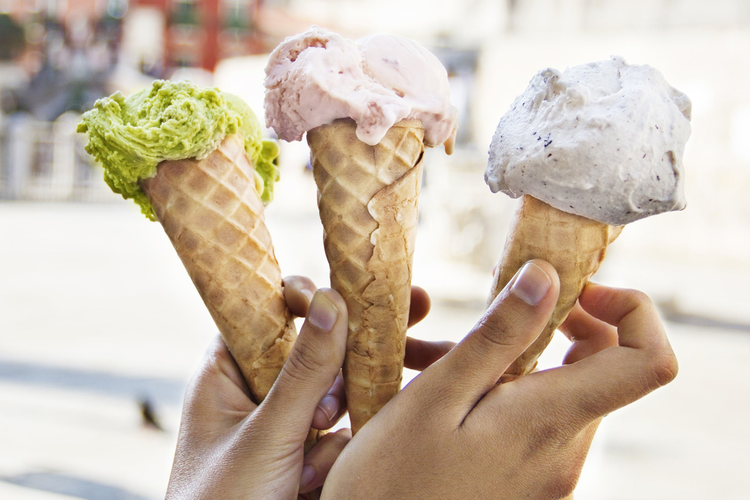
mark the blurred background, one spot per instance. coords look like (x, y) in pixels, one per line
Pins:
(100, 327)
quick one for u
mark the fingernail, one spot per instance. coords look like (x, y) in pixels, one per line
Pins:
(323, 314)
(328, 406)
(307, 477)
(531, 284)
(308, 295)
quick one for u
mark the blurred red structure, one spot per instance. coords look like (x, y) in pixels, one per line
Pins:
(199, 33)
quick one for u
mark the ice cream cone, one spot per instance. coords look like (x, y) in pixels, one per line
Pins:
(213, 215)
(574, 245)
(367, 196)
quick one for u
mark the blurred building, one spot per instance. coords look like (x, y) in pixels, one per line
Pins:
(194, 33)
(82, 41)
(475, 20)
(66, 53)
(56, 61)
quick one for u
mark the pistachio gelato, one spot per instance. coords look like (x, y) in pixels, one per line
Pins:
(131, 135)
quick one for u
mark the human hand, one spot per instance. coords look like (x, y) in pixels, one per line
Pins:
(229, 447)
(454, 433)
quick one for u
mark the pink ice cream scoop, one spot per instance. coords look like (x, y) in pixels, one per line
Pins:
(318, 76)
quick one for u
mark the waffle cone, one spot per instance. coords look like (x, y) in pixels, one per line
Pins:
(367, 196)
(214, 218)
(574, 245)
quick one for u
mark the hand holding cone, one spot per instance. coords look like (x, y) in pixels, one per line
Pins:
(574, 245)
(603, 141)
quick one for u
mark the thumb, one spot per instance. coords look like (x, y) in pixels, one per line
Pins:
(311, 368)
(513, 321)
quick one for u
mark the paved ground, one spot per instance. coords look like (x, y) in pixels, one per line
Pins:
(97, 316)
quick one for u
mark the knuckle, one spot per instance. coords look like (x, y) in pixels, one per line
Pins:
(561, 486)
(641, 300)
(664, 367)
(563, 483)
(546, 432)
(551, 441)
(547, 435)
(302, 361)
(632, 299)
(338, 439)
(638, 296)
(496, 329)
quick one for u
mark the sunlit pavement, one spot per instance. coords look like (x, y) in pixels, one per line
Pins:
(97, 317)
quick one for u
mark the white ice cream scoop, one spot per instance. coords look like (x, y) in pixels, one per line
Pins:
(603, 140)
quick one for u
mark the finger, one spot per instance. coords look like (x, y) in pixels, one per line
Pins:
(311, 368)
(218, 389)
(512, 322)
(219, 359)
(420, 305)
(219, 369)
(642, 362)
(332, 407)
(298, 293)
(422, 353)
(587, 335)
(320, 459)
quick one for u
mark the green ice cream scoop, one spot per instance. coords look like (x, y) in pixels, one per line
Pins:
(131, 135)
